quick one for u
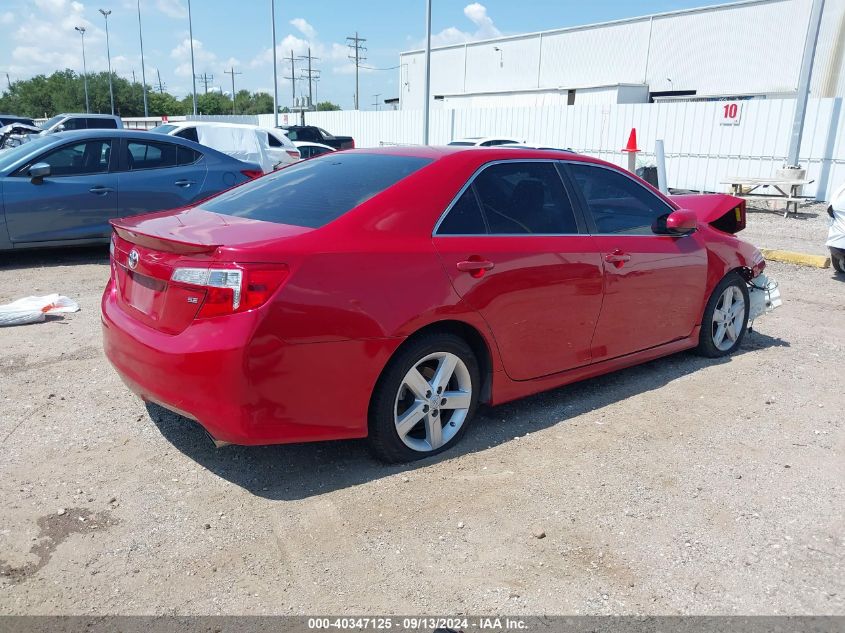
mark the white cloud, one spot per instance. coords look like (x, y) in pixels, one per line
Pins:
(7, 18)
(475, 13)
(303, 27)
(172, 8)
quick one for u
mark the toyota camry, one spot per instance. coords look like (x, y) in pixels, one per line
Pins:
(386, 293)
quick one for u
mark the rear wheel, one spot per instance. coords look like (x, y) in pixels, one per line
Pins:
(837, 259)
(425, 399)
(725, 318)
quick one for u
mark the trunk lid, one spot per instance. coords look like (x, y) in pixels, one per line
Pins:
(147, 249)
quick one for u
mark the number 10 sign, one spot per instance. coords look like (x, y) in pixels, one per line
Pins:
(730, 112)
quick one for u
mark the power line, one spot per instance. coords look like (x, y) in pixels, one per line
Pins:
(205, 79)
(355, 44)
(160, 85)
(310, 74)
(233, 73)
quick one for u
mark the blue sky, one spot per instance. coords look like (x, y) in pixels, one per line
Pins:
(38, 36)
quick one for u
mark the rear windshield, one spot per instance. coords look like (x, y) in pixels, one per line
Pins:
(315, 192)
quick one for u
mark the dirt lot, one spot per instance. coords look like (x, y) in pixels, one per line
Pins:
(681, 486)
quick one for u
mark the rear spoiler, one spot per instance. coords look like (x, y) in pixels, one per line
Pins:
(161, 242)
(720, 210)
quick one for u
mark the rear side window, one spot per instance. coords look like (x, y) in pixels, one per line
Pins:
(187, 156)
(101, 124)
(274, 142)
(617, 203)
(189, 133)
(465, 217)
(525, 197)
(146, 155)
(312, 193)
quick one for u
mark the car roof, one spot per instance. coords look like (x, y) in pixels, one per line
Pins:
(90, 116)
(311, 144)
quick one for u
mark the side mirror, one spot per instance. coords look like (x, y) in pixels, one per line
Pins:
(38, 172)
(681, 222)
(60, 127)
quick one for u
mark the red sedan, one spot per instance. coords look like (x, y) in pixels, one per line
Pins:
(386, 293)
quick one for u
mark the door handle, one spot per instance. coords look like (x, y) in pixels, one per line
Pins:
(475, 267)
(100, 190)
(617, 258)
(184, 183)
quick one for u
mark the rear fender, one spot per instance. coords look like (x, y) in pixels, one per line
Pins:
(720, 210)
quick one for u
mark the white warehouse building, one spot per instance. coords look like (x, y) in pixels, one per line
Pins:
(750, 49)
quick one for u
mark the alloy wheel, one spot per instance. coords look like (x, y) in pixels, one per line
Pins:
(728, 318)
(433, 401)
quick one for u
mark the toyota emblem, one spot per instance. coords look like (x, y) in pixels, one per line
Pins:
(133, 259)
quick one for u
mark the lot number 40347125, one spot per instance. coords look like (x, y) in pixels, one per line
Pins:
(730, 112)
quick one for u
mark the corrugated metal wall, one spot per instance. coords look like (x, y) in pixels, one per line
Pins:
(739, 49)
(700, 152)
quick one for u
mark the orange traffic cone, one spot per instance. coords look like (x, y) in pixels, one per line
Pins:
(632, 142)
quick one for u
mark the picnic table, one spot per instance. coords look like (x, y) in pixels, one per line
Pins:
(788, 190)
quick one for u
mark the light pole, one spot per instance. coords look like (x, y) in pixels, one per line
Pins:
(427, 85)
(81, 30)
(275, 74)
(106, 15)
(193, 72)
(143, 74)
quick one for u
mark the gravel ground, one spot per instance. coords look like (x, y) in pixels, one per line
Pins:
(683, 486)
(804, 233)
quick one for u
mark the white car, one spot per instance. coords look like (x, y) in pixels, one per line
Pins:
(310, 150)
(836, 231)
(484, 141)
(250, 143)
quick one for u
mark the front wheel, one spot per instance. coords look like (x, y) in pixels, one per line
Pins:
(725, 318)
(425, 399)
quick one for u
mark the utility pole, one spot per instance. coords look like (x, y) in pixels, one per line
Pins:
(355, 44)
(81, 30)
(376, 101)
(193, 70)
(160, 85)
(275, 74)
(106, 14)
(206, 79)
(806, 73)
(292, 80)
(143, 72)
(233, 73)
(310, 74)
(8, 81)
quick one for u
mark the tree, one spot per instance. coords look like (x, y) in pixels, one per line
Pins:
(166, 104)
(324, 106)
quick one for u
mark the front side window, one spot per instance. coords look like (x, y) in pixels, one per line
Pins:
(88, 157)
(74, 124)
(150, 155)
(617, 203)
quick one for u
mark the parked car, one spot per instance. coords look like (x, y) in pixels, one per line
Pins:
(310, 150)
(69, 122)
(836, 232)
(484, 141)
(62, 189)
(268, 148)
(9, 119)
(314, 134)
(16, 134)
(387, 292)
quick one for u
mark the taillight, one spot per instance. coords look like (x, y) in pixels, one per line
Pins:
(353, 144)
(294, 153)
(252, 173)
(236, 289)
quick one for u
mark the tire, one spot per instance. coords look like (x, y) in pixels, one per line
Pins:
(719, 335)
(409, 419)
(837, 259)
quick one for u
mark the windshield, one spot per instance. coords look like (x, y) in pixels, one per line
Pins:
(163, 129)
(461, 143)
(9, 157)
(315, 192)
(51, 122)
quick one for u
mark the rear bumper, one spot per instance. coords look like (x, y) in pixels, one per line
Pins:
(246, 387)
